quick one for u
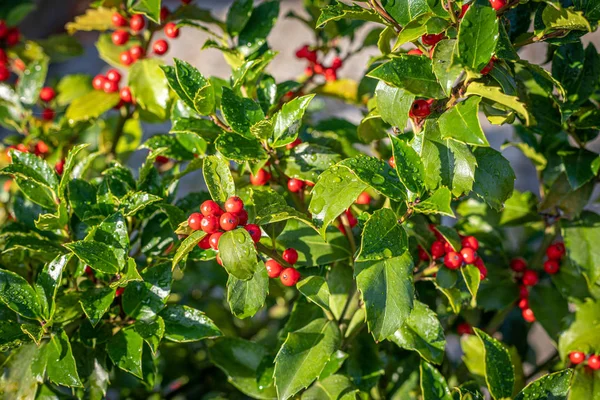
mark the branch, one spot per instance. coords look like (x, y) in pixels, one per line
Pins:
(379, 10)
(220, 123)
(273, 254)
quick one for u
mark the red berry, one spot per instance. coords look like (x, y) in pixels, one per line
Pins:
(214, 240)
(98, 82)
(118, 20)
(464, 328)
(3, 57)
(261, 177)
(161, 160)
(205, 243)
(290, 255)
(164, 13)
(432, 39)
(126, 58)
(289, 276)
(415, 52)
(4, 73)
(209, 224)
(470, 242)
(420, 109)
(523, 303)
(319, 69)
(254, 232)
(463, 10)
(309, 71)
(160, 47)
(561, 247)
(295, 143)
(88, 271)
(242, 217)
(137, 23)
(119, 291)
(594, 362)
(330, 75)
(13, 36)
(528, 315)
(47, 114)
(3, 29)
(551, 267)
(47, 94)
(302, 52)
(554, 252)
(576, 357)
(113, 75)
(530, 278)
(234, 204)
(363, 198)
(423, 256)
(497, 4)
(453, 260)
(171, 30)
(273, 268)
(337, 63)
(437, 249)
(59, 167)
(518, 264)
(125, 94)
(228, 221)
(482, 269)
(468, 254)
(523, 291)
(210, 207)
(295, 185)
(120, 37)
(488, 68)
(352, 221)
(392, 162)
(219, 261)
(40, 148)
(447, 246)
(110, 86)
(136, 52)
(194, 221)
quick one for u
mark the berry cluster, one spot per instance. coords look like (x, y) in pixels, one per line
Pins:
(288, 276)
(527, 277)
(9, 37)
(47, 94)
(577, 357)
(554, 253)
(317, 68)
(40, 149)
(455, 259)
(109, 83)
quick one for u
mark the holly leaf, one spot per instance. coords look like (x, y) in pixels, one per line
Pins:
(433, 383)
(494, 177)
(288, 121)
(261, 22)
(238, 16)
(393, 104)
(445, 67)
(143, 300)
(61, 367)
(218, 178)
(246, 297)
(240, 113)
(186, 324)
(238, 254)
(580, 238)
(495, 94)
(550, 309)
(383, 237)
(409, 167)
(125, 351)
(377, 174)
(407, 10)
(149, 87)
(554, 386)
(477, 36)
(97, 255)
(580, 336)
(240, 148)
(150, 8)
(316, 290)
(48, 282)
(191, 86)
(91, 105)
(499, 370)
(94, 19)
(437, 203)
(307, 161)
(18, 295)
(461, 123)
(95, 302)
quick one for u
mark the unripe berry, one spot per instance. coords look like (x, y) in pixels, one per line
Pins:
(497, 4)
(290, 255)
(125, 58)
(137, 23)
(98, 82)
(437, 249)
(125, 94)
(464, 328)
(136, 52)
(194, 221)
(528, 315)
(234, 204)
(120, 37)
(273, 268)
(289, 276)
(576, 357)
(420, 109)
(295, 185)
(432, 39)
(392, 162)
(470, 242)
(210, 224)
(363, 198)
(47, 114)
(160, 47)
(594, 362)
(113, 75)
(214, 240)
(415, 52)
(551, 267)
(210, 207)
(468, 254)
(228, 221)
(295, 143)
(171, 30)
(261, 177)
(518, 264)
(110, 86)
(204, 244)
(254, 232)
(555, 252)
(530, 278)
(453, 260)
(118, 20)
(47, 94)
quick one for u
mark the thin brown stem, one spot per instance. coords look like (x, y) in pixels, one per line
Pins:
(381, 11)
(220, 123)
(273, 254)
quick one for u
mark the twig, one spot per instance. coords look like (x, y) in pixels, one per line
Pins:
(220, 123)
(273, 254)
(379, 10)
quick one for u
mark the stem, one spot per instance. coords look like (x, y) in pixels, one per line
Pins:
(535, 39)
(273, 254)
(379, 10)
(220, 123)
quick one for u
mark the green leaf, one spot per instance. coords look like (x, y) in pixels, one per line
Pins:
(151, 331)
(26, 369)
(136, 201)
(472, 278)
(32, 81)
(386, 287)
(191, 86)
(499, 370)
(383, 237)
(97, 255)
(413, 74)
(240, 113)
(144, 300)
(303, 356)
(423, 333)
(149, 87)
(334, 387)
(125, 351)
(61, 47)
(339, 10)
(409, 166)
(48, 282)
(445, 67)
(433, 384)
(557, 18)
(95, 302)
(94, 19)
(581, 335)
(437, 203)
(218, 178)
(495, 94)
(254, 35)
(477, 36)
(150, 8)
(550, 309)
(238, 16)
(393, 104)
(238, 254)
(377, 174)
(315, 289)
(28, 166)
(550, 386)
(307, 161)
(581, 237)
(271, 207)
(186, 324)
(129, 274)
(240, 148)
(405, 11)
(580, 166)
(461, 123)
(519, 209)
(245, 298)
(18, 295)
(188, 244)
(494, 177)
(584, 385)
(61, 367)
(90, 105)
(68, 168)
(288, 120)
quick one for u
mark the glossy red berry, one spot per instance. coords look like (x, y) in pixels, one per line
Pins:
(3, 29)
(59, 167)
(194, 221)
(261, 177)
(530, 278)
(214, 240)
(337, 63)
(488, 68)
(437, 249)
(432, 39)
(363, 198)
(13, 37)
(118, 20)
(352, 221)
(330, 75)
(125, 94)
(273, 268)
(164, 13)
(482, 269)
(497, 4)
(228, 221)
(171, 30)
(295, 185)
(447, 246)
(209, 224)
(254, 232)
(523, 303)
(528, 315)
(88, 271)
(110, 86)
(289, 276)
(137, 22)
(518, 264)
(392, 162)
(470, 242)
(290, 255)
(523, 291)
(463, 10)
(576, 357)
(415, 52)
(210, 207)
(242, 217)
(120, 37)
(420, 109)
(423, 256)
(4, 73)
(453, 260)
(555, 252)
(47, 114)
(40, 148)
(468, 254)
(136, 52)
(47, 94)
(302, 52)
(98, 82)
(551, 267)
(464, 328)
(119, 291)
(295, 143)
(126, 58)
(160, 47)
(594, 362)
(219, 261)
(113, 75)
(204, 244)
(234, 204)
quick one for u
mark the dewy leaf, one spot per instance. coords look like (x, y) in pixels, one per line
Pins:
(68, 168)
(409, 166)
(461, 123)
(95, 302)
(315, 289)
(270, 207)
(97, 255)
(238, 254)
(387, 290)
(125, 351)
(308, 160)
(254, 35)
(240, 113)
(580, 166)
(186, 324)
(188, 244)
(113, 232)
(551, 386)
(288, 120)
(32, 81)
(91, 105)
(423, 333)
(339, 10)
(411, 73)
(136, 201)
(433, 384)
(303, 356)
(445, 67)
(151, 331)
(405, 11)
(472, 277)
(143, 300)
(393, 104)
(494, 93)
(557, 18)
(581, 237)
(18, 295)
(47, 283)
(477, 36)
(240, 148)
(377, 174)
(437, 203)
(191, 86)
(149, 87)
(150, 8)
(28, 166)
(245, 298)
(238, 16)
(383, 237)
(334, 387)
(499, 370)
(218, 178)
(582, 334)
(95, 19)
(494, 177)
(61, 367)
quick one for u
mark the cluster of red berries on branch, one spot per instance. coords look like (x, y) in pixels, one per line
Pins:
(288, 276)
(109, 83)
(578, 357)
(9, 37)
(47, 94)
(454, 259)
(554, 253)
(318, 68)
(527, 278)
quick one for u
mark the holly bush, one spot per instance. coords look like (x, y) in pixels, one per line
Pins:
(316, 257)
